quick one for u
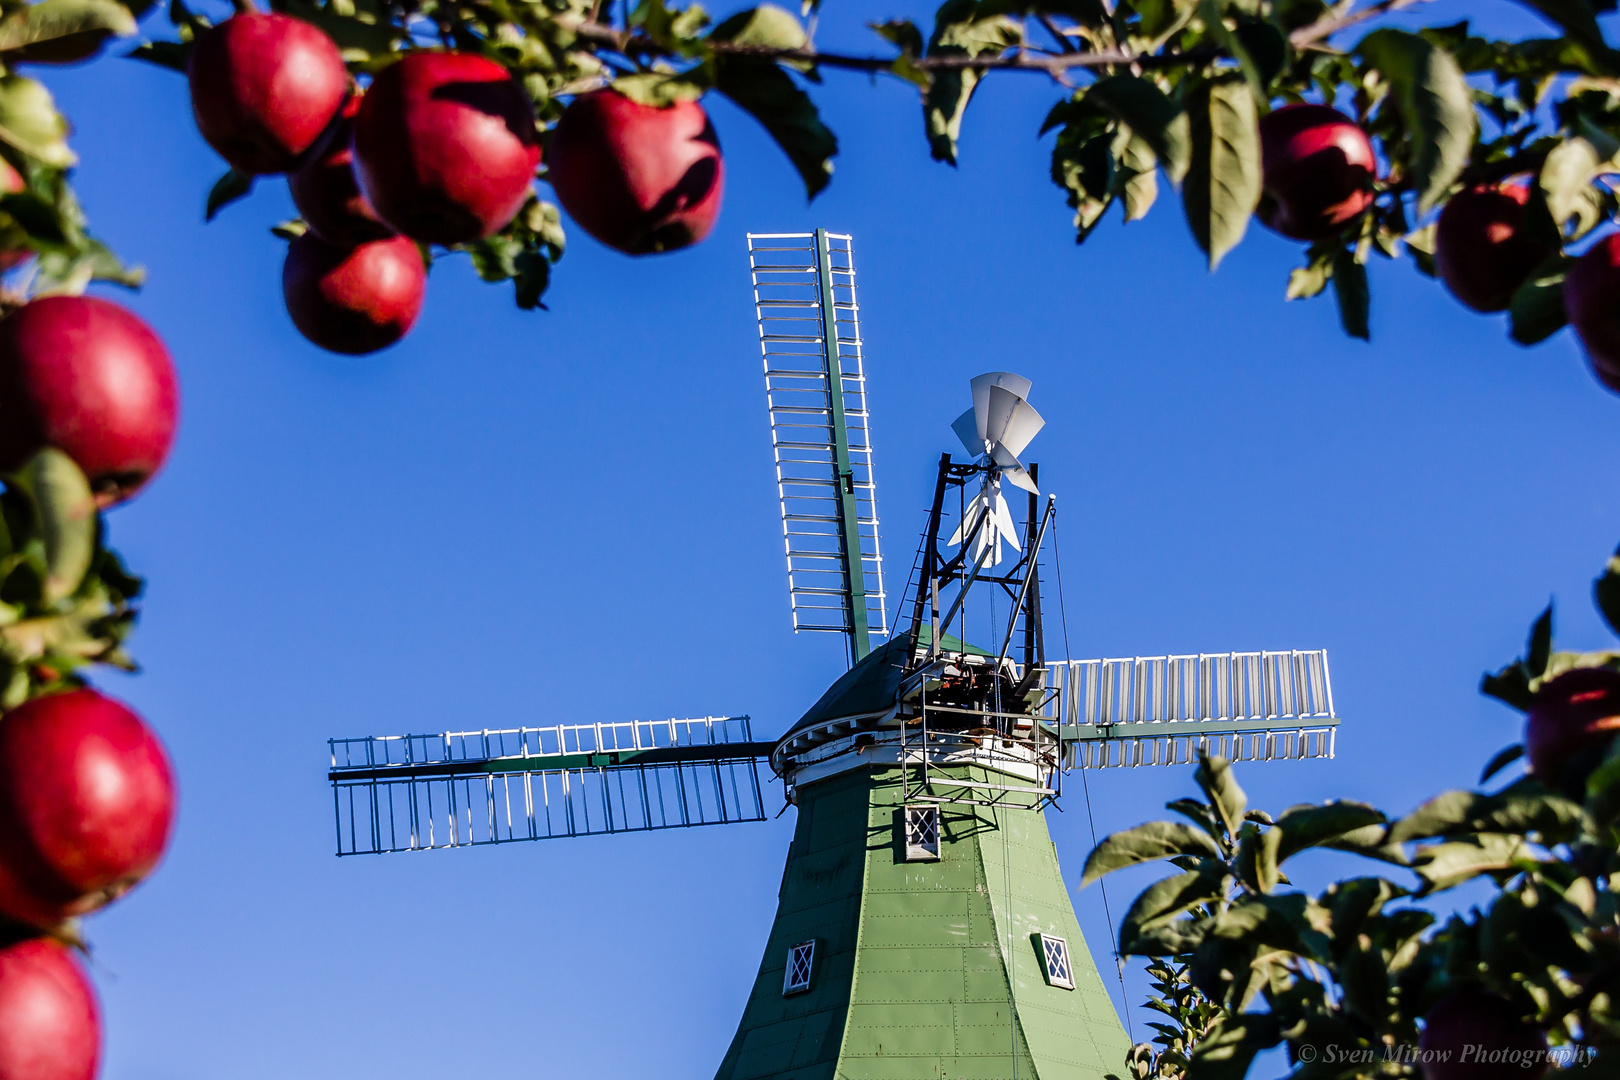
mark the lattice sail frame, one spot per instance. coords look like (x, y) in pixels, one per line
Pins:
(788, 301)
(1161, 710)
(459, 789)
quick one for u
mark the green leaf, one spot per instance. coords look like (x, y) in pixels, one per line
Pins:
(1162, 902)
(361, 35)
(1606, 592)
(1370, 841)
(226, 190)
(69, 272)
(1566, 181)
(30, 123)
(1420, 245)
(1150, 114)
(1443, 866)
(1552, 818)
(674, 29)
(174, 55)
(67, 519)
(39, 218)
(1537, 308)
(1511, 685)
(769, 94)
(902, 34)
(1576, 18)
(1302, 827)
(52, 20)
(1428, 89)
(1503, 758)
(1538, 650)
(1137, 167)
(1155, 840)
(961, 28)
(1309, 280)
(1214, 775)
(1197, 812)
(1222, 186)
(1176, 937)
(1226, 1051)
(1350, 291)
(1257, 862)
(659, 89)
(1355, 900)
(766, 26)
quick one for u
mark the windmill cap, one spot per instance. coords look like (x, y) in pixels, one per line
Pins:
(873, 685)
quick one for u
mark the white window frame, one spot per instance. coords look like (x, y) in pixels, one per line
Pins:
(922, 833)
(1057, 962)
(801, 960)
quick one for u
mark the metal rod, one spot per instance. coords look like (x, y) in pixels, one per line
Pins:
(1032, 615)
(860, 642)
(930, 560)
(968, 584)
(1046, 519)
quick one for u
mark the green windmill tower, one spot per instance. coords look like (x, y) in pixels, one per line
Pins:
(924, 930)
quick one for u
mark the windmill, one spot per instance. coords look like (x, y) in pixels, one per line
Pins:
(923, 927)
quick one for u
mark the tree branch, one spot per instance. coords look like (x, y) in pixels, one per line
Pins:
(633, 44)
(1322, 29)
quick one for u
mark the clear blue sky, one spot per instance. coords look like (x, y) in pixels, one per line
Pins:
(529, 518)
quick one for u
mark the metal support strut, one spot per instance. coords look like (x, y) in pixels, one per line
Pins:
(860, 642)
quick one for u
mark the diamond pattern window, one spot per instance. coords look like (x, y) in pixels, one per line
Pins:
(1055, 955)
(799, 961)
(922, 833)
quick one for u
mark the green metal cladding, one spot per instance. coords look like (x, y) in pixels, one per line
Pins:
(923, 970)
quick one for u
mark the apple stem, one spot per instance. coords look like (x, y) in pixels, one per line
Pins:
(245, 7)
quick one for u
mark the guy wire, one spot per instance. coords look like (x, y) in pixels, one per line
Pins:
(1085, 788)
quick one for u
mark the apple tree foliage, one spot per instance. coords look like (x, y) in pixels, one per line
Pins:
(1145, 92)
(1243, 962)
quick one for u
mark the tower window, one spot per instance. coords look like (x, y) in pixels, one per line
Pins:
(799, 961)
(922, 833)
(1055, 957)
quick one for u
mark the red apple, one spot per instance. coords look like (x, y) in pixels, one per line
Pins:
(637, 177)
(1592, 301)
(1483, 249)
(327, 194)
(90, 378)
(1573, 716)
(264, 88)
(353, 300)
(1487, 1039)
(1317, 169)
(86, 802)
(446, 146)
(50, 1028)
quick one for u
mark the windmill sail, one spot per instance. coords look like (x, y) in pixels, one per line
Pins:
(815, 384)
(417, 792)
(1162, 710)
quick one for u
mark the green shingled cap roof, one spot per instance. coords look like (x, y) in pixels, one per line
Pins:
(872, 685)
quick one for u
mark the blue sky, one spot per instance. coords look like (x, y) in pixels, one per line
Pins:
(524, 518)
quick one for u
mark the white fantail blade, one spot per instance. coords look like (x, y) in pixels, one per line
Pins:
(967, 523)
(1013, 422)
(1012, 470)
(996, 530)
(966, 428)
(1020, 478)
(1016, 384)
(1005, 529)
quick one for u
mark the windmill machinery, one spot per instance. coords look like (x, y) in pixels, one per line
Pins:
(923, 926)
